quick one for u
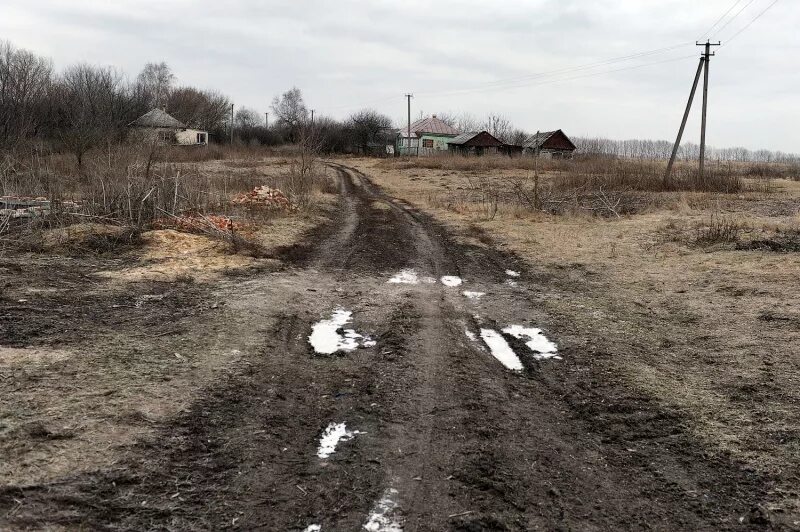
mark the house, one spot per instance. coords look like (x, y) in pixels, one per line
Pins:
(475, 143)
(553, 144)
(427, 137)
(167, 129)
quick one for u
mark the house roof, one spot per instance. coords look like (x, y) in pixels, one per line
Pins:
(431, 125)
(477, 139)
(158, 118)
(536, 141)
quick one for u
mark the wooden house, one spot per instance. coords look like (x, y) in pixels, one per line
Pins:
(553, 144)
(164, 128)
(475, 143)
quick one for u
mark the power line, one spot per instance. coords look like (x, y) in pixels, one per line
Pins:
(720, 19)
(734, 17)
(751, 22)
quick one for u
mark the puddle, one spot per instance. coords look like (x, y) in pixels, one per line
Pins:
(333, 434)
(501, 350)
(313, 528)
(384, 515)
(405, 277)
(326, 339)
(537, 342)
(451, 280)
(512, 273)
(473, 295)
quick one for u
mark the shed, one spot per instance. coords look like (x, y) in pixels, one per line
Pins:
(477, 143)
(427, 136)
(549, 144)
(167, 129)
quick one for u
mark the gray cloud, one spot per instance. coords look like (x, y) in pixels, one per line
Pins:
(352, 53)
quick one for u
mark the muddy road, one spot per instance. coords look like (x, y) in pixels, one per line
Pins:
(394, 379)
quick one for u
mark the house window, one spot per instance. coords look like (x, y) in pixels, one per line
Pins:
(427, 143)
(165, 136)
(201, 138)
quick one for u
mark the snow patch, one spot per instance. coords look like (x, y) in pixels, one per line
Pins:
(471, 335)
(512, 273)
(405, 277)
(313, 528)
(326, 339)
(537, 342)
(501, 350)
(473, 295)
(383, 517)
(333, 434)
(511, 282)
(451, 280)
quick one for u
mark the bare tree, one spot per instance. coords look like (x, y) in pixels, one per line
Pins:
(201, 109)
(290, 110)
(367, 126)
(155, 83)
(499, 127)
(25, 80)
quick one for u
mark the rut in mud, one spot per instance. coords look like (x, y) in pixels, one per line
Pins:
(416, 421)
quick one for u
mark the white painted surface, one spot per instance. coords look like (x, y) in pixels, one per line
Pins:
(331, 436)
(536, 341)
(501, 350)
(384, 515)
(451, 280)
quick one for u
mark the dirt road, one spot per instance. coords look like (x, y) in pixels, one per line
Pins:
(439, 409)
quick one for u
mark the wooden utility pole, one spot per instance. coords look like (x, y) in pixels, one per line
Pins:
(408, 136)
(312, 117)
(231, 123)
(707, 56)
(702, 66)
(266, 120)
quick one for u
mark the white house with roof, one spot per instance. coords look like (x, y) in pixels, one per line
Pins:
(426, 136)
(164, 128)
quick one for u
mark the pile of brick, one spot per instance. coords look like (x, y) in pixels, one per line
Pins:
(264, 196)
(30, 207)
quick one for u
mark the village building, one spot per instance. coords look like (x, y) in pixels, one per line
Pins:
(158, 125)
(475, 143)
(427, 136)
(554, 144)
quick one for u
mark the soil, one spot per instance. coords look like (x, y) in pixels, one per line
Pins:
(469, 445)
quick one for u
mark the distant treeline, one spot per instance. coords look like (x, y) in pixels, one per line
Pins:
(662, 149)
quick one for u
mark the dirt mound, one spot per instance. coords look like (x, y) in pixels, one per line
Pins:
(89, 236)
(264, 196)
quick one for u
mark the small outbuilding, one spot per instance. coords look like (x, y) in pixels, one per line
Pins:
(475, 143)
(164, 128)
(553, 144)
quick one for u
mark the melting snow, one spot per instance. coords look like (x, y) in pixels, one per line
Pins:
(471, 335)
(501, 350)
(383, 516)
(511, 282)
(326, 339)
(451, 280)
(405, 277)
(512, 273)
(333, 434)
(473, 295)
(536, 341)
(313, 528)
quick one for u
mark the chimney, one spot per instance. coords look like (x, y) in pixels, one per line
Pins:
(434, 116)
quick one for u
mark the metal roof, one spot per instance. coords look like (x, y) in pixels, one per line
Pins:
(431, 125)
(536, 141)
(158, 118)
(464, 137)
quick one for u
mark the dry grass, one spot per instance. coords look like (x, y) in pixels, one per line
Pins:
(693, 305)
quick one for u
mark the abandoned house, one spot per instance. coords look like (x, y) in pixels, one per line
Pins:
(427, 137)
(553, 144)
(475, 143)
(160, 126)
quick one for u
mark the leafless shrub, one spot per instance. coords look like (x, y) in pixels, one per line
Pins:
(718, 231)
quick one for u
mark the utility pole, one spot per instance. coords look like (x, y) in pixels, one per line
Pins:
(408, 137)
(312, 117)
(231, 124)
(702, 66)
(707, 55)
(266, 120)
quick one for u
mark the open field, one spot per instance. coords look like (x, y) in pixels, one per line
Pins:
(425, 352)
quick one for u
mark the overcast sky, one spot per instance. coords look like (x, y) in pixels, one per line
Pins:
(455, 56)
